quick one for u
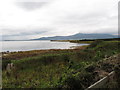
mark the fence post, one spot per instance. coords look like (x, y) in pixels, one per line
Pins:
(102, 82)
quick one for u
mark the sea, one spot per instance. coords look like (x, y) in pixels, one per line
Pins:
(12, 46)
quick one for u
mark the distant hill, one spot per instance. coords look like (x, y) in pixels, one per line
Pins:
(79, 36)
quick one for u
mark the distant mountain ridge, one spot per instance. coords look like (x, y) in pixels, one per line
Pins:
(79, 36)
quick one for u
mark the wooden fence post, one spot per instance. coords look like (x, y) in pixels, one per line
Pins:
(102, 82)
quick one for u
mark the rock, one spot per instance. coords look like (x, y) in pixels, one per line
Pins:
(10, 66)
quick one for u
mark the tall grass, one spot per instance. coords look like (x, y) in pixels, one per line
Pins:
(66, 69)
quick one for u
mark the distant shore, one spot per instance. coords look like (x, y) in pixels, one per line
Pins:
(74, 41)
(86, 41)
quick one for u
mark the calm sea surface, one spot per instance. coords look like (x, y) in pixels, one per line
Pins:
(35, 45)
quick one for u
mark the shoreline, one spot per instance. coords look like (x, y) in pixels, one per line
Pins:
(72, 47)
(30, 49)
(30, 53)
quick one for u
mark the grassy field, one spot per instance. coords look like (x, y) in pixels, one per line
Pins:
(70, 68)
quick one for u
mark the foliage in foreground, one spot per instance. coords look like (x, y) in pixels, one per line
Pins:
(59, 70)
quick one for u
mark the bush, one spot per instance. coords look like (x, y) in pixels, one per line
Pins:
(73, 83)
(95, 43)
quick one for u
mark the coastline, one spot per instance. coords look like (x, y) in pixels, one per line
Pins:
(5, 53)
(31, 53)
(37, 45)
(74, 41)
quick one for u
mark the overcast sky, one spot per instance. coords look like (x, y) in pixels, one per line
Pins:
(28, 19)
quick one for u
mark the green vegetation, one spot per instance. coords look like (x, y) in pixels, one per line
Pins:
(88, 41)
(75, 41)
(62, 68)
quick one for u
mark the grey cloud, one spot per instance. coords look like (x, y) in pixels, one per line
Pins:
(21, 35)
(24, 32)
(31, 5)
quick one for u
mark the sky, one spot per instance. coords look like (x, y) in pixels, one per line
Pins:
(29, 19)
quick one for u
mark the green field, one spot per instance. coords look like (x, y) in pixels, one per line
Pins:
(60, 68)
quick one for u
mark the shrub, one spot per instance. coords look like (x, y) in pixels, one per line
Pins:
(73, 83)
(95, 43)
